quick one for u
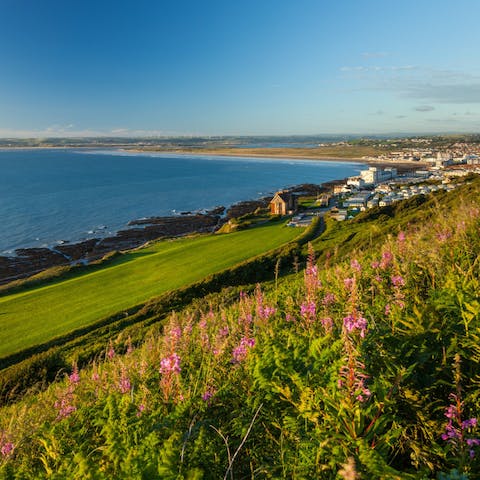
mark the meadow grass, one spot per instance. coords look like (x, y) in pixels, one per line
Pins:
(41, 313)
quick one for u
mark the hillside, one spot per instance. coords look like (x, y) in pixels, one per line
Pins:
(365, 364)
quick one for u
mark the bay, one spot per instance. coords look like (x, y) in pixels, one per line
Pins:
(51, 196)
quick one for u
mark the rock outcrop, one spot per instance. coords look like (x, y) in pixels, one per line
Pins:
(29, 261)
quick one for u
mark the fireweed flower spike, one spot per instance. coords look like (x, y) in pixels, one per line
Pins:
(328, 299)
(240, 352)
(308, 310)
(387, 258)
(355, 264)
(355, 322)
(397, 281)
(74, 377)
(7, 449)
(111, 352)
(170, 364)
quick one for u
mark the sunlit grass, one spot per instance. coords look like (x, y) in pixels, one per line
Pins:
(40, 314)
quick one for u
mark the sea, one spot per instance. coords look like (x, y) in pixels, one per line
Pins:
(54, 196)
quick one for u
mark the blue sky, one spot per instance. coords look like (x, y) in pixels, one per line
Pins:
(266, 67)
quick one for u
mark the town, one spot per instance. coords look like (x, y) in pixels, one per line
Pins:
(380, 186)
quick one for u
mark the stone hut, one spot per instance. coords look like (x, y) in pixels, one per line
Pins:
(283, 203)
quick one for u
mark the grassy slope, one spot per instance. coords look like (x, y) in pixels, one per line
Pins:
(38, 314)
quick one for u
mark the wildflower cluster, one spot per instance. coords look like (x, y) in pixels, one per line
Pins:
(65, 403)
(6, 447)
(457, 429)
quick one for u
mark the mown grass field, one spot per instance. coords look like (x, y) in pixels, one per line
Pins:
(41, 313)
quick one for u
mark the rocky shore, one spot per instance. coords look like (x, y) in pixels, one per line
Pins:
(30, 261)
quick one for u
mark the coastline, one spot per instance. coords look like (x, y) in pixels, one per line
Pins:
(31, 260)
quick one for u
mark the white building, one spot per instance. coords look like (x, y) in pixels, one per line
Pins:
(375, 175)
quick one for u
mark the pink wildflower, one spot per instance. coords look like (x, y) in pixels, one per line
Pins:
(307, 310)
(401, 237)
(354, 322)
(124, 384)
(65, 406)
(355, 264)
(353, 380)
(208, 394)
(170, 364)
(400, 304)
(223, 332)
(240, 352)
(266, 312)
(455, 428)
(246, 319)
(140, 410)
(289, 317)
(328, 299)
(349, 283)
(7, 449)
(444, 236)
(375, 264)
(74, 377)
(327, 324)
(312, 270)
(470, 423)
(397, 281)
(175, 334)
(111, 352)
(387, 258)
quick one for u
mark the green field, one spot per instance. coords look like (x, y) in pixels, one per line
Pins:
(39, 314)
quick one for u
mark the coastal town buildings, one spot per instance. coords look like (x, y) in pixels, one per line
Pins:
(350, 201)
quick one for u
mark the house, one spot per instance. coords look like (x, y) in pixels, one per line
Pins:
(283, 203)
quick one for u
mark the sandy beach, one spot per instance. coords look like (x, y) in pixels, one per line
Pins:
(287, 154)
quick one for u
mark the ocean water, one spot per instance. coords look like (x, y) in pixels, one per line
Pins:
(51, 196)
